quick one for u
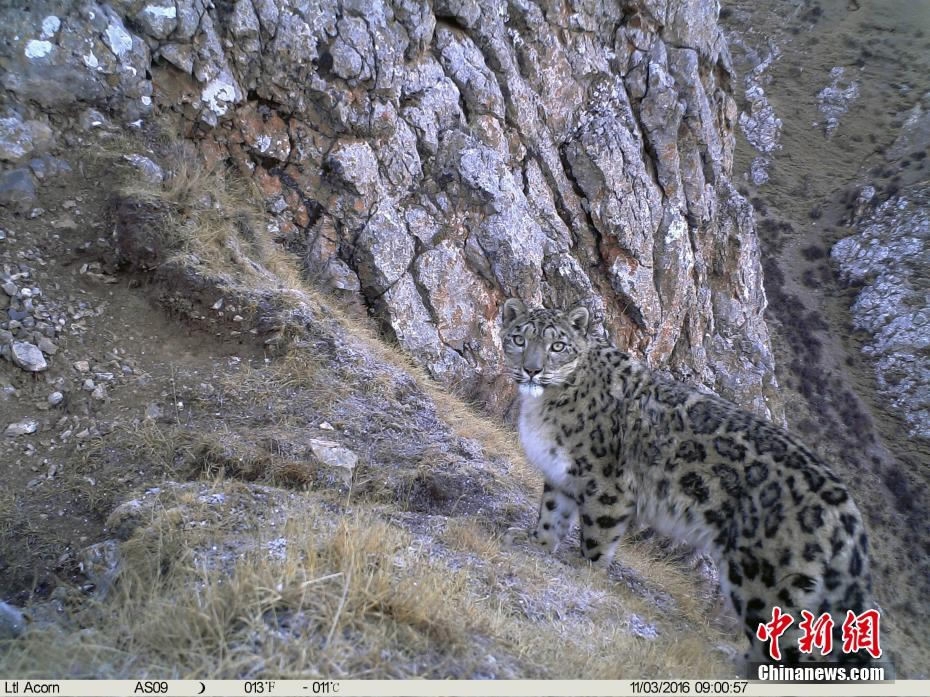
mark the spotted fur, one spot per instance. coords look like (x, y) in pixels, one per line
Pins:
(616, 442)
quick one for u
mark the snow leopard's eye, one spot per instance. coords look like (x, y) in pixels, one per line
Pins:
(557, 346)
(518, 340)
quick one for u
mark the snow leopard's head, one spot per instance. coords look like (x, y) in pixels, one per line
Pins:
(542, 347)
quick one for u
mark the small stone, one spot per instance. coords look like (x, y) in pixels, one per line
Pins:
(47, 346)
(39, 168)
(99, 393)
(327, 426)
(10, 289)
(12, 622)
(55, 398)
(21, 428)
(641, 628)
(6, 337)
(88, 385)
(334, 455)
(45, 167)
(126, 518)
(15, 138)
(149, 171)
(153, 411)
(64, 223)
(17, 189)
(28, 357)
(158, 19)
(91, 118)
(81, 366)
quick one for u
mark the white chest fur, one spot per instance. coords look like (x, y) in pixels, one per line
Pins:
(538, 440)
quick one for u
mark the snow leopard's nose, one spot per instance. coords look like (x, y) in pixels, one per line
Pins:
(533, 361)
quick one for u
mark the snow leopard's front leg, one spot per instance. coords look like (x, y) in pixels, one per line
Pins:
(556, 515)
(606, 511)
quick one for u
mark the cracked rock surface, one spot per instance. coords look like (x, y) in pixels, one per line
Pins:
(429, 160)
(888, 257)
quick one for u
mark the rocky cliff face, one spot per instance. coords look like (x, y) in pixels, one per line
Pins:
(889, 258)
(429, 159)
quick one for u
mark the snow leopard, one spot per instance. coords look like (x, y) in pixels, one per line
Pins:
(617, 444)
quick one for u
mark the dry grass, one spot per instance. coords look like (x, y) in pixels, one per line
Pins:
(209, 216)
(219, 221)
(299, 593)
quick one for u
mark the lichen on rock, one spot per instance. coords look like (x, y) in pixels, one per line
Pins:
(430, 160)
(888, 258)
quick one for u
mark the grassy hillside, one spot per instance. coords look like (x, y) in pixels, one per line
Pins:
(201, 527)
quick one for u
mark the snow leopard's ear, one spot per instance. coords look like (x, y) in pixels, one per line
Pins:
(513, 309)
(579, 318)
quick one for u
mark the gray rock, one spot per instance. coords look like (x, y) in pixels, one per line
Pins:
(47, 346)
(338, 458)
(181, 56)
(451, 288)
(341, 277)
(760, 124)
(28, 357)
(12, 621)
(889, 255)
(333, 454)
(834, 99)
(94, 60)
(436, 157)
(55, 398)
(464, 63)
(21, 428)
(55, 166)
(15, 138)
(158, 18)
(17, 189)
(90, 119)
(355, 165)
(149, 171)
(384, 250)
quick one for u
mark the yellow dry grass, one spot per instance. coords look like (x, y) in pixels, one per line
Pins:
(312, 595)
